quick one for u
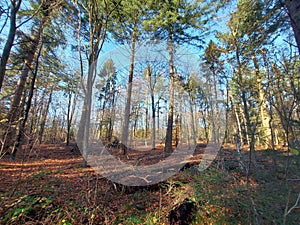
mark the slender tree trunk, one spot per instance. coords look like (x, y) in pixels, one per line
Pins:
(125, 129)
(158, 118)
(147, 121)
(214, 104)
(177, 129)
(35, 116)
(97, 34)
(80, 133)
(169, 133)
(265, 119)
(250, 126)
(151, 87)
(38, 113)
(193, 123)
(237, 119)
(20, 136)
(293, 7)
(111, 118)
(15, 6)
(103, 108)
(68, 118)
(71, 109)
(44, 116)
(153, 137)
(15, 106)
(269, 97)
(86, 114)
(206, 125)
(226, 136)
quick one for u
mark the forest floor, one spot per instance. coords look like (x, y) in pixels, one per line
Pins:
(48, 185)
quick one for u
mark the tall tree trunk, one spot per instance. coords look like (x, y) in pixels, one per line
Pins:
(44, 116)
(15, 106)
(264, 117)
(237, 119)
(194, 134)
(214, 116)
(205, 113)
(147, 120)
(152, 97)
(90, 82)
(84, 127)
(69, 118)
(158, 118)
(97, 34)
(293, 7)
(169, 133)
(15, 6)
(111, 118)
(153, 133)
(20, 136)
(250, 126)
(35, 116)
(71, 109)
(125, 129)
(251, 129)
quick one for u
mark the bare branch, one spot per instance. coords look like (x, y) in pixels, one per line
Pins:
(295, 206)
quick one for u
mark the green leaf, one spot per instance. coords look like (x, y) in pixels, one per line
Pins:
(18, 211)
(294, 151)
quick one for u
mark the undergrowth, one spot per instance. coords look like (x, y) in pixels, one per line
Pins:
(220, 194)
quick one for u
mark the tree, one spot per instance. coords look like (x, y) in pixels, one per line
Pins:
(155, 89)
(19, 138)
(293, 8)
(214, 76)
(250, 30)
(14, 8)
(128, 29)
(107, 97)
(29, 46)
(284, 96)
(72, 92)
(173, 21)
(94, 19)
(151, 79)
(192, 89)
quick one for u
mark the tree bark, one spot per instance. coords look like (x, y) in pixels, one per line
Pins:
(265, 119)
(20, 136)
(44, 117)
(125, 129)
(15, 108)
(250, 127)
(153, 135)
(194, 133)
(71, 109)
(169, 133)
(86, 136)
(15, 6)
(293, 7)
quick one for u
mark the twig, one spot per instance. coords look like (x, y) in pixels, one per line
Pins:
(295, 179)
(15, 202)
(294, 206)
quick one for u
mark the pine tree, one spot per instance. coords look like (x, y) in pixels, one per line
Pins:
(14, 8)
(94, 20)
(107, 98)
(29, 46)
(174, 21)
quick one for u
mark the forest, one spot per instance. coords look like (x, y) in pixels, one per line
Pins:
(149, 112)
